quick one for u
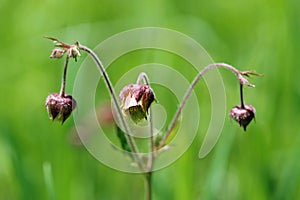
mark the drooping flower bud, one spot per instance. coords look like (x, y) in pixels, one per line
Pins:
(57, 53)
(243, 115)
(60, 107)
(136, 100)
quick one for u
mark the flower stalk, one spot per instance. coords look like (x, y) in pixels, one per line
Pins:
(242, 96)
(148, 174)
(143, 76)
(64, 78)
(129, 138)
(238, 74)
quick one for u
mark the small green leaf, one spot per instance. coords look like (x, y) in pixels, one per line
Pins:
(121, 135)
(173, 132)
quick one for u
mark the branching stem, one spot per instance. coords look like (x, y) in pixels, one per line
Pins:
(146, 166)
(129, 138)
(239, 75)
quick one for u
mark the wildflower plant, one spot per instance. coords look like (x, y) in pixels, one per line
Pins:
(136, 100)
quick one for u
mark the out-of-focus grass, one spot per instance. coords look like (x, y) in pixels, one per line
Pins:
(259, 164)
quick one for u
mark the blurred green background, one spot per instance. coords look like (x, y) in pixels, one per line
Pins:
(37, 159)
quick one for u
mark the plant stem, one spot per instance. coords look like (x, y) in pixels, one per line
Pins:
(63, 82)
(129, 138)
(148, 185)
(148, 174)
(143, 76)
(151, 144)
(242, 96)
(189, 91)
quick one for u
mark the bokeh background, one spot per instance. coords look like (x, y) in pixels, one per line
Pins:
(39, 159)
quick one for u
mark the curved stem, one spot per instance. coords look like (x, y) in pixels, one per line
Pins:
(64, 78)
(143, 76)
(192, 86)
(119, 112)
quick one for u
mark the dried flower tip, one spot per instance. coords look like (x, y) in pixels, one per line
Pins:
(60, 107)
(136, 100)
(74, 52)
(243, 115)
(244, 81)
(249, 72)
(57, 53)
(58, 43)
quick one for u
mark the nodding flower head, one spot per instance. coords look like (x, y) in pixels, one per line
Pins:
(136, 100)
(243, 115)
(60, 107)
(61, 49)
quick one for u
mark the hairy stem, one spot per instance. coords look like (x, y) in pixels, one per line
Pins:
(64, 78)
(129, 138)
(239, 75)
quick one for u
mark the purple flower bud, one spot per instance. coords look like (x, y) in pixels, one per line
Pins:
(136, 100)
(60, 107)
(243, 115)
(57, 53)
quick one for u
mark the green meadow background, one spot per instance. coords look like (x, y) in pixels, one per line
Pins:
(39, 159)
